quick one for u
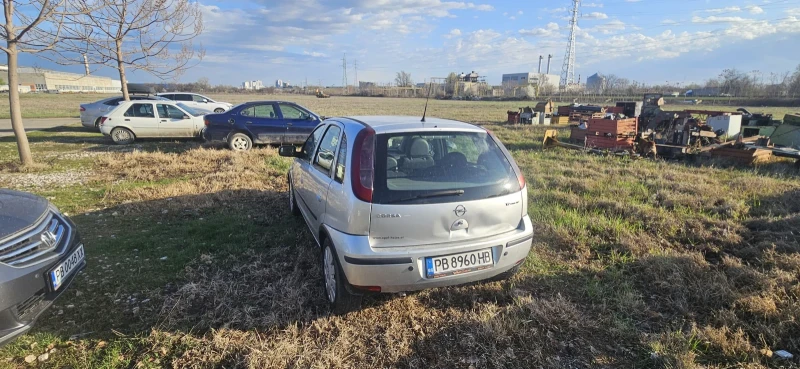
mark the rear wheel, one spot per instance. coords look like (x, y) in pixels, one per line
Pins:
(339, 298)
(240, 142)
(122, 136)
(97, 124)
(293, 200)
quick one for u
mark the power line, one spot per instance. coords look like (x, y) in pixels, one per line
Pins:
(344, 72)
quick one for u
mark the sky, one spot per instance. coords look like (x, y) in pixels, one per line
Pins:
(649, 41)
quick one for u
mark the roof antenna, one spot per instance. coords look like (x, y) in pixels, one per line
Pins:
(430, 87)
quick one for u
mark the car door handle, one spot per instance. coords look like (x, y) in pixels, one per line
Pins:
(163, 120)
(289, 124)
(248, 122)
(127, 120)
(319, 198)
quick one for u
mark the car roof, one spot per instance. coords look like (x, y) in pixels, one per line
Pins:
(177, 92)
(403, 123)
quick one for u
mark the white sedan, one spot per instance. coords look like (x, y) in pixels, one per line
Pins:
(197, 101)
(147, 119)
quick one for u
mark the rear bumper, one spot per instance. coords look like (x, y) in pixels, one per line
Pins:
(403, 268)
(215, 134)
(25, 293)
(87, 121)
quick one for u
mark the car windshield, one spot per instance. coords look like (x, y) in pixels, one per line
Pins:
(190, 110)
(426, 167)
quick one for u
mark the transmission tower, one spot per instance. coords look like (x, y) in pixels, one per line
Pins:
(344, 73)
(568, 70)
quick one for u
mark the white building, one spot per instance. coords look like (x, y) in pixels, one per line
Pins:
(252, 85)
(37, 79)
(531, 78)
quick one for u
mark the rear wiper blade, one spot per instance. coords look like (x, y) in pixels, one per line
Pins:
(429, 195)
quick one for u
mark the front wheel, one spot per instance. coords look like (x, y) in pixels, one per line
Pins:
(219, 110)
(240, 142)
(122, 136)
(339, 298)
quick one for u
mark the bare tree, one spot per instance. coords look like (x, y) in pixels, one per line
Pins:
(154, 36)
(403, 79)
(40, 24)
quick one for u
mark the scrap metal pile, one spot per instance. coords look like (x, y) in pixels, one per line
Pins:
(645, 129)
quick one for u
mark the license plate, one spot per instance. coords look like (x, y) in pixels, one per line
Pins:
(440, 266)
(67, 267)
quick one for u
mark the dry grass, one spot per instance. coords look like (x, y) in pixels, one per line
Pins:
(636, 263)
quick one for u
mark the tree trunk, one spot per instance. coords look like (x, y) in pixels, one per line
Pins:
(121, 69)
(13, 102)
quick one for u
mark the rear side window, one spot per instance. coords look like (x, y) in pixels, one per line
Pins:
(198, 98)
(170, 96)
(323, 160)
(428, 167)
(182, 97)
(140, 111)
(259, 111)
(341, 160)
(169, 111)
(292, 112)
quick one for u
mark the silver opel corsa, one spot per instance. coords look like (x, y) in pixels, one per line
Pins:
(397, 204)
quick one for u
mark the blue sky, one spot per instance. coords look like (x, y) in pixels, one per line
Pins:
(651, 41)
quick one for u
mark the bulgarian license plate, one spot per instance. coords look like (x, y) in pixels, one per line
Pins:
(67, 267)
(440, 266)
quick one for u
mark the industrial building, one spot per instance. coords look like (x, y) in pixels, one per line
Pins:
(252, 85)
(41, 80)
(530, 78)
(595, 83)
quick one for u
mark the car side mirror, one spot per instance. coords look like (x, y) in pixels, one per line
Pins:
(205, 100)
(288, 151)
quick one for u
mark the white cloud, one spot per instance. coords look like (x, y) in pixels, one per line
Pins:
(550, 30)
(715, 19)
(519, 12)
(455, 32)
(729, 9)
(556, 10)
(592, 5)
(632, 1)
(315, 54)
(512, 17)
(668, 22)
(754, 9)
(595, 15)
(794, 12)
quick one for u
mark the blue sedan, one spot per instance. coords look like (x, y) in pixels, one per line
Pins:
(261, 122)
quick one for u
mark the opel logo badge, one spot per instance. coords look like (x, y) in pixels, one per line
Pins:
(49, 239)
(460, 211)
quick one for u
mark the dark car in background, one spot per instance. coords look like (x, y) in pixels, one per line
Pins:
(40, 254)
(261, 122)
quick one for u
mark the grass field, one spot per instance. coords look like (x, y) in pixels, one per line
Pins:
(195, 262)
(66, 105)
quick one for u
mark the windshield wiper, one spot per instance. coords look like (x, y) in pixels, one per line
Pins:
(429, 195)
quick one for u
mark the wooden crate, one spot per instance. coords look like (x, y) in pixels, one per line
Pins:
(560, 119)
(618, 127)
(746, 156)
(610, 143)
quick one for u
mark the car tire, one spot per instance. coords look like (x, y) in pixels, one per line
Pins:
(293, 200)
(507, 274)
(122, 136)
(219, 110)
(97, 124)
(240, 142)
(339, 298)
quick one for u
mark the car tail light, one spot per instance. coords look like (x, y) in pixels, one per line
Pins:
(82, 108)
(363, 172)
(370, 288)
(103, 120)
(521, 180)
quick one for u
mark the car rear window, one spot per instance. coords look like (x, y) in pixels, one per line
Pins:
(436, 167)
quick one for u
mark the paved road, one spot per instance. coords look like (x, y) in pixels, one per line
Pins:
(34, 124)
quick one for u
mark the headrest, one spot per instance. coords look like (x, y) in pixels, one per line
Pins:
(419, 147)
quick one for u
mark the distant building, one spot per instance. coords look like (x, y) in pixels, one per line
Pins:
(37, 79)
(252, 85)
(530, 78)
(595, 83)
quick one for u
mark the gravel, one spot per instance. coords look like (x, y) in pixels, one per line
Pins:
(36, 180)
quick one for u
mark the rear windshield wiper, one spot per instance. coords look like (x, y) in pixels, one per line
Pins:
(429, 195)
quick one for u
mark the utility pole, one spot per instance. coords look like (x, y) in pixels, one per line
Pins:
(355, 68)
(568, 69)
(344, 74)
